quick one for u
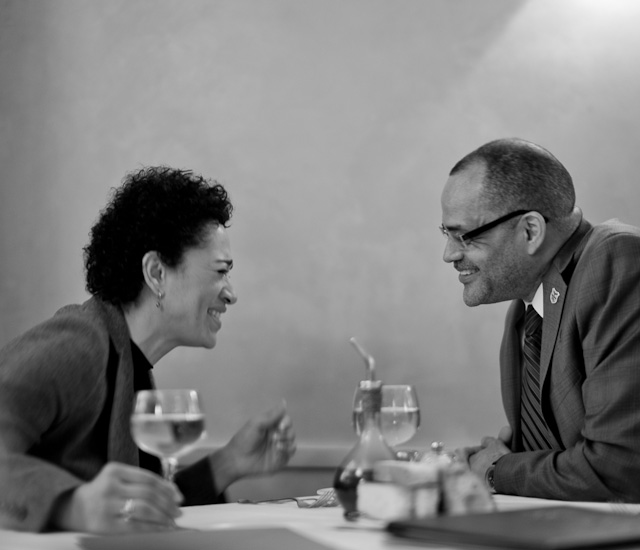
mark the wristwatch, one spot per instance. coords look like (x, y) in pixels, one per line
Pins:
(488, 477)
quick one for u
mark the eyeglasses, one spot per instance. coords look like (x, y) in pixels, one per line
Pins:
(467, 237)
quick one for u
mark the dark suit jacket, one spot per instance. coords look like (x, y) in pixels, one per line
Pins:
(56, 405)
(590, 373)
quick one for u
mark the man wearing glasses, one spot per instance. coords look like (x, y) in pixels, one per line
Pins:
(570, 353)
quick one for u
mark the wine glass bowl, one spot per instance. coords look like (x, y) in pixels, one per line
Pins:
(399, 413)
(166, 423)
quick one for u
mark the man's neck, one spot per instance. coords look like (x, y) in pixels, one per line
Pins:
(554, 241)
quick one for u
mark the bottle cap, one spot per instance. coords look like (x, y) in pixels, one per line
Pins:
(371, 397)
(370, 385)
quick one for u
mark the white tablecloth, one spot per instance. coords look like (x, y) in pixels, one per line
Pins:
(324, 525)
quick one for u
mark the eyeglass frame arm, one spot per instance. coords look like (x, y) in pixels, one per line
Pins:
(469, 235)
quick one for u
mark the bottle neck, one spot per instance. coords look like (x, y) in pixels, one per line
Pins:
(371, 403)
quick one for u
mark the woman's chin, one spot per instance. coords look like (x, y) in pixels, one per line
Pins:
(210, 343)
(207, 342)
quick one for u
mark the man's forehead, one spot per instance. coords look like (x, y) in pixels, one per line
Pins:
(466, 182)
(462, 203)
(459, 195)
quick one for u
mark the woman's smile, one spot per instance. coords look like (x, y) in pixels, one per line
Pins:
(215, 315)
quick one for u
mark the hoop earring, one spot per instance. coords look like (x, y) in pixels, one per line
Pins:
(159, 300)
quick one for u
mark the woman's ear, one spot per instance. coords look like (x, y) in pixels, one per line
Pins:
(154, 272)
(535, 231)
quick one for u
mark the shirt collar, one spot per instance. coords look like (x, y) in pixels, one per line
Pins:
(537, 302)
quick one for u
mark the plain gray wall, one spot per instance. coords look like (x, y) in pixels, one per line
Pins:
(333, 124)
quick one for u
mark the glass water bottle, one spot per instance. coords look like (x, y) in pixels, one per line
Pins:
(370, 448)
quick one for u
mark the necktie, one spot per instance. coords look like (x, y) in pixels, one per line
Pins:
(535, 434)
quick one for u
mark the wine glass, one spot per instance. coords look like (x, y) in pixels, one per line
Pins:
(166, 423)
(399, 413)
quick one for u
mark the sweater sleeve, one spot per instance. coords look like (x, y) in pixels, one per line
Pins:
(196, 483)
(48, 399)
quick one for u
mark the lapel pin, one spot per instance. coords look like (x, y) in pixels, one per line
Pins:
(554, 295)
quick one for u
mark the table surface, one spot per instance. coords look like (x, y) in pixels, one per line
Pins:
(323, 525)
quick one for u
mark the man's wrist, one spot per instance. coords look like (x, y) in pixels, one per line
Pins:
(489, 478)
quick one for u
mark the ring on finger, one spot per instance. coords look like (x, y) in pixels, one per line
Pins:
(127, 510)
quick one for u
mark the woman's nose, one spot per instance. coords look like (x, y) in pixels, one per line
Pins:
(229, 295)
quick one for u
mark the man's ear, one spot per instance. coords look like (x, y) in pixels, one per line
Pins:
(154, 272)
(535, 231)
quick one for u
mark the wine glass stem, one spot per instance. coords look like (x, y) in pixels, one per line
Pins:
(169, 467)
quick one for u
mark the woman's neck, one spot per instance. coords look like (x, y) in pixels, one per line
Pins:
(146, 331)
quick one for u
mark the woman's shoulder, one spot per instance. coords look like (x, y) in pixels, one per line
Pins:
(80, 324)
(77, 338)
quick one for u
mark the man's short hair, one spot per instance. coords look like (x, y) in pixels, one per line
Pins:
(522, 175)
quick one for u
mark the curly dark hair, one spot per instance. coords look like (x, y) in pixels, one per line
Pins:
(156, 208)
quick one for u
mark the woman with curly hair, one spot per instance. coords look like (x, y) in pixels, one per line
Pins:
(157, 267)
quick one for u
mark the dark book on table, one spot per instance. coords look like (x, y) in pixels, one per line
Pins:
(268, 538)
(553, 528)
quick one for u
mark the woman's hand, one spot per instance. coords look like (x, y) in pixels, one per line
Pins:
(120, 499)
(263, 445)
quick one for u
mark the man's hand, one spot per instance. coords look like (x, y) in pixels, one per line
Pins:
(263, 445)
(479, 458)
(98, 506)
(491, 449)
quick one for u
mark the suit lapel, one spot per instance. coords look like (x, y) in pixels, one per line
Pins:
(554, 286)
(554, 290)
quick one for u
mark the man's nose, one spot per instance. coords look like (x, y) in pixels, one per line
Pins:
(452, 251)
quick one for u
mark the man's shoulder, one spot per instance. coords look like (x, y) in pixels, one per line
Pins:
(614, 227)
(609, 251)
(612, 237)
